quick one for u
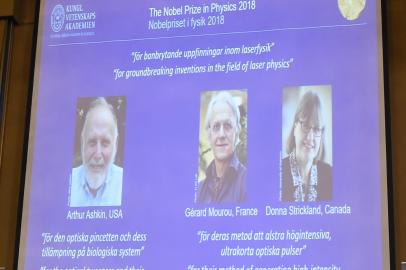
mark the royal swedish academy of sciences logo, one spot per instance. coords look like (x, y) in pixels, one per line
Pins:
(57, 18)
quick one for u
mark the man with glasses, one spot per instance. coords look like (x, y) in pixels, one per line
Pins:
(225, 176)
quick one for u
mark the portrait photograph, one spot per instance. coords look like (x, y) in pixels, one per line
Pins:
(306, 157)
(96, 178)
(222, 167)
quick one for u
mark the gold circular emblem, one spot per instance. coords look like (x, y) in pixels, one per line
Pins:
(351, 9)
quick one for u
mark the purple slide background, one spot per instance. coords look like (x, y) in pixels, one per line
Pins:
(162, 125)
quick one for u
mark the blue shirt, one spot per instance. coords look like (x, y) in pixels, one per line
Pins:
(109, 194)
(228, 189)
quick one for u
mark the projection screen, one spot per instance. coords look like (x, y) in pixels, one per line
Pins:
(207, 135)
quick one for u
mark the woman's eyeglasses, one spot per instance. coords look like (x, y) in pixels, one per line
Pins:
(317, 131)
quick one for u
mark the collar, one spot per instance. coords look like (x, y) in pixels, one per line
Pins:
(100, 190)
(232, 168)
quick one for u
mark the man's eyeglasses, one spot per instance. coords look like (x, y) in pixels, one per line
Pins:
(317, 131)
(227, 126)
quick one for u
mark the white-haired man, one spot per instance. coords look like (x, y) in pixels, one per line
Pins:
(225, 176)
(98, 181)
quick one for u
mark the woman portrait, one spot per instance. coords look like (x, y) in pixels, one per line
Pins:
(306, 173)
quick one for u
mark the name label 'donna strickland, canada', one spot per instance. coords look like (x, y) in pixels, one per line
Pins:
(306, 210)
(95, 214)
(220, 212)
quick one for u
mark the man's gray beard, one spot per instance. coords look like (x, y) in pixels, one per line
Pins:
(95, 180)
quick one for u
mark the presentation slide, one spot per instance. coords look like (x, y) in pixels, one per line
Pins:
(207, 135)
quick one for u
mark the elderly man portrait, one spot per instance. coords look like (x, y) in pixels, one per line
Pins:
(97, 181)
(225, 175)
